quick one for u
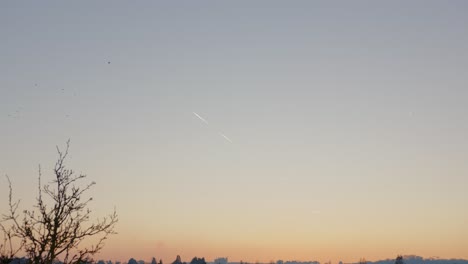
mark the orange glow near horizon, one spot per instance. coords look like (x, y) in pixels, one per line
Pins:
(349, 252)
(253, 130)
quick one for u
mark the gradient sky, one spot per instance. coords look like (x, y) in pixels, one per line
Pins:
(348, 122)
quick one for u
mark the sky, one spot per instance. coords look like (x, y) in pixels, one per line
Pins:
(256, 130)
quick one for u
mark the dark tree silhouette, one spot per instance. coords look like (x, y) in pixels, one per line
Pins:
(178, 260)
(60, 220)
(7, 248)
(399, 260)
(196, 260)
(7, 252)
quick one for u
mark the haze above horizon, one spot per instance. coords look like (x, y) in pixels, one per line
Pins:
(256, 130)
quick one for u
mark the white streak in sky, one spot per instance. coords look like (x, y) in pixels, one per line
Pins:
(201, 118)
(206, 122)
(225, 137)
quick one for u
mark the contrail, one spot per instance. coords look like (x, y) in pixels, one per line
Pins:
(201, 118)
(225, 137)
(206, 122)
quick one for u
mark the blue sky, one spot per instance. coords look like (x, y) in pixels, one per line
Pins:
(334, 109)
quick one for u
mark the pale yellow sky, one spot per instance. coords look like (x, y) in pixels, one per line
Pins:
(344, 123)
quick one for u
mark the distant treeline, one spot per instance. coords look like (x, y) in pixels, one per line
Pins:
(399, 260)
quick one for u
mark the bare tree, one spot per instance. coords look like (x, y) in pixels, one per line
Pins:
(8, 248)
(57, 230)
